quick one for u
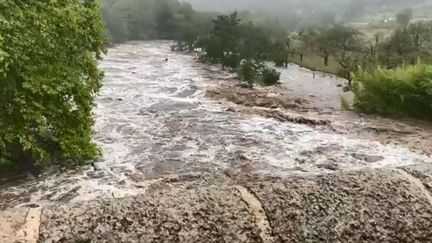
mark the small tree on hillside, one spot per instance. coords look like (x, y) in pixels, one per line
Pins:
(310, 38)
(325, 45)
(280, 52)
(346, 49)
(421, 33)
(398, 49)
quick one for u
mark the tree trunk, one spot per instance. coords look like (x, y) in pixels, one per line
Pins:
(301, 57)
(326, 60)
(349, 78)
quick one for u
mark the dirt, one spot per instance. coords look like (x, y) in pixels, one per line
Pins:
(286, 104)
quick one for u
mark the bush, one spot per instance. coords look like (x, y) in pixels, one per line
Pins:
(253, 71)
(48, 79)
(202, 57)
(249, 71)
(269, 76)
(232, 61)
(404, 91)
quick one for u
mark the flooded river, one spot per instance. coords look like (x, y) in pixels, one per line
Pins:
(154, 123)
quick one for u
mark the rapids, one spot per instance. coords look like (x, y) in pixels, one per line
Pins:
(154, 122)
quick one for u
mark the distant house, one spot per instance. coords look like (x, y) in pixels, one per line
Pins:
(389, 20)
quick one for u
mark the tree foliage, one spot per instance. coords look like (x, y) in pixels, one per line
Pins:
(406, 45)
(152, 19)
(226, 33)
(239, 45)
(48, 76)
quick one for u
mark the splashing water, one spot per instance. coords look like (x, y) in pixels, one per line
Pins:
(153, 121)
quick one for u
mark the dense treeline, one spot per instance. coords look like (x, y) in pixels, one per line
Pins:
(48, 76)
(239, 45)
(151, 19)
(167, 19)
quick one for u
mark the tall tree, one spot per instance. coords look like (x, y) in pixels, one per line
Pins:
(48, 77)
(222, 44)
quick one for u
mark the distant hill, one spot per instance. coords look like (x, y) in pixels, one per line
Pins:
(344, 9)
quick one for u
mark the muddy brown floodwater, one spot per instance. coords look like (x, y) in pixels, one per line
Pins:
(180, 122)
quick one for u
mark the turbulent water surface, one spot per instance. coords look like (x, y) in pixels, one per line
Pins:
(153, 122)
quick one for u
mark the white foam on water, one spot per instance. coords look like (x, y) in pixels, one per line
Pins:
(150, 120)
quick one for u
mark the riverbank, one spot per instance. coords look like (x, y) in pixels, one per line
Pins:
(304, 99)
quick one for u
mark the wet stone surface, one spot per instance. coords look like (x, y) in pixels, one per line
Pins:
(154, 123)
(366, 206)
(371, 205)
(199, 215)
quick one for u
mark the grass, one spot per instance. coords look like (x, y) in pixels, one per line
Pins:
(313, 60)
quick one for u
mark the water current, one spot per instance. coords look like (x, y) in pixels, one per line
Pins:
(153, 121)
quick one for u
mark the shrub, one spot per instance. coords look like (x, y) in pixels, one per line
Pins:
(249, 71)
(232, 61)
(253, 71)
(404, 91)
(202, 57)
(269, 76)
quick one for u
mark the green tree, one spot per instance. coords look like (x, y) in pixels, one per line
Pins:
(115, 25)
(148, 19)
(167, 26)
(346, 49)
(280, 52)
(222, 45)
(48, 77)
(325, 45)
(254, 42)
(421, 34)
(192, 30)
(398, 49)
(310, 38)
